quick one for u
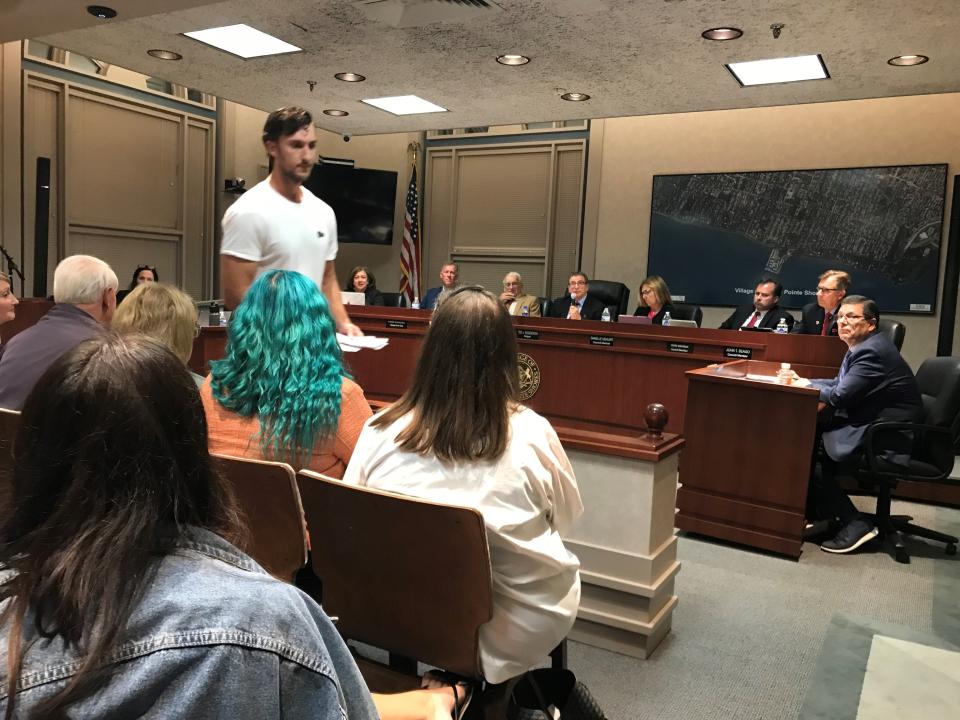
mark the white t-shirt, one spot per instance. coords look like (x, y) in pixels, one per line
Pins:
(265, 227)
(527, 497)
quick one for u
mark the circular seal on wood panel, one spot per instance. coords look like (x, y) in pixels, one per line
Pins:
(529, 376)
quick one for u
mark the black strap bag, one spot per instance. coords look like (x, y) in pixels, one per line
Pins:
(552, 694)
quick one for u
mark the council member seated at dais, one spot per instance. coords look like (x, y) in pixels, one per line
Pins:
(515, 300)
(655, 300)
(124, 593)
(765, 312)
(363, 281)
(578, 303)
(460, 436)
(820, 317)
(280, 393)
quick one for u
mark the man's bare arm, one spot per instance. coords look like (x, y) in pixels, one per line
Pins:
(236, 276)
(331, 290)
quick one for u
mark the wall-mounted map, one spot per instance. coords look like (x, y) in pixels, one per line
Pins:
(712, 236)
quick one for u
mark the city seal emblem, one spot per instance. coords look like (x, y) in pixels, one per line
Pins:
(529, 376)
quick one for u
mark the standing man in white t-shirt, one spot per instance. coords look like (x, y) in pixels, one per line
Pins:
(280, 225)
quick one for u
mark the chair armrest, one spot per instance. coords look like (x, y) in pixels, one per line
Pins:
(882, 436)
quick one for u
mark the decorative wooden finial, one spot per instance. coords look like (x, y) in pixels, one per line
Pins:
(656, 417)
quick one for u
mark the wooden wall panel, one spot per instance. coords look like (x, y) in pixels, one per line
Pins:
(197, 244)
(503, 199)
(123, 164)
(122, 250)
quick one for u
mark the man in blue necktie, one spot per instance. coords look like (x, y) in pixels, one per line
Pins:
(874, 384)
(577, 304)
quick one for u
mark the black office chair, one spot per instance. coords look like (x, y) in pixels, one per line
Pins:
(544, 306)
(895, 331)
(614, 295)
(394, 299)
(687, 312)
(930, 460)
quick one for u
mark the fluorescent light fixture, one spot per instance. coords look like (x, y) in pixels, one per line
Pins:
(779, 70)
(243, 41)
(405, 105)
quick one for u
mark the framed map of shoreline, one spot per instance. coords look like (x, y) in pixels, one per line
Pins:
(714, 235)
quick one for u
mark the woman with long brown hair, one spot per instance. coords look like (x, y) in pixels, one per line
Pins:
(124, 594)
(460, 436)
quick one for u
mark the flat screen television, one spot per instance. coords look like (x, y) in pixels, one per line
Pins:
(363, 200)
(713, 236)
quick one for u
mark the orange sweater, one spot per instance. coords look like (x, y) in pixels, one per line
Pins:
(233, 434)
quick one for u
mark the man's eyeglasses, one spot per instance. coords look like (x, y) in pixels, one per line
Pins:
(825, 290)
(851, 317)
(574, 283)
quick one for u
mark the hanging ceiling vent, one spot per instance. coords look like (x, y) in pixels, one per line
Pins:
(417, 13)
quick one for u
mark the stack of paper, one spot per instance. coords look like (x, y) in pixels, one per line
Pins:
(354, 344)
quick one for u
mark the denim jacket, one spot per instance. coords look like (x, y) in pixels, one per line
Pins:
(214, 636)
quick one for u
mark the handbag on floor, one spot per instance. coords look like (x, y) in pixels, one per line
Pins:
(552, 694)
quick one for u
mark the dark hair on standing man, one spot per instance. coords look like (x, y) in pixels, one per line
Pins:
(466, 383)
(110, 467)
(285, 121)
(870, 309)
(777, 287)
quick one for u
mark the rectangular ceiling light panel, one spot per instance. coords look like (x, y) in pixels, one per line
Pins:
(243, 41)
(405, 105)
(779, 70)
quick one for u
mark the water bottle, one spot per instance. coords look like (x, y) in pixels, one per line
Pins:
(415, 305)
(785, 374)
(214, 315)
(782, 328)
(525, 311)
(606, 315)
(666, 318)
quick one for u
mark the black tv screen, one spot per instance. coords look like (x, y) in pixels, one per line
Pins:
(713, 236)
(363, 200)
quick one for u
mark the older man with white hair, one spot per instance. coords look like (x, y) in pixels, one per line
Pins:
(85, 291)
(515, 299)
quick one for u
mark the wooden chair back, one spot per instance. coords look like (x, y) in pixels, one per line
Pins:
(405, 575)
(268, 497)
(9, 425)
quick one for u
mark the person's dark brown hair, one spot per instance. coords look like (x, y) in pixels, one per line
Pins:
(110, 465)
(466, 383)
(371, 280)
(285, 121)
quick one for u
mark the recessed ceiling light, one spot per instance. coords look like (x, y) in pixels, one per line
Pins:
(350, 77)
(779, 70)
(405, 105)
(102, 11)
(165, 54)
(907, 60)
(513, 59)
(336, 113)
(243, 41)
(721, 33)
(575, 97)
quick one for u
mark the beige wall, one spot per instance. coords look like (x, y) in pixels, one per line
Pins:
(625, 154)
(10, 123)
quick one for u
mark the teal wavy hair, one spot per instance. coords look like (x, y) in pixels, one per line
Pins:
(283, 365)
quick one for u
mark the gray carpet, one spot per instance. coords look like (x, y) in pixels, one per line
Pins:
(754, 635)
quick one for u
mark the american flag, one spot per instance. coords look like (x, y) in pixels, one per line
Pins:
(410, 248)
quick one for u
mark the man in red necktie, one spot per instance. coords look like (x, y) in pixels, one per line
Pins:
(765, 311)
(819, 318)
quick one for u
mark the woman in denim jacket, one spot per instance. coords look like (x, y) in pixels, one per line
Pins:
(123, 595)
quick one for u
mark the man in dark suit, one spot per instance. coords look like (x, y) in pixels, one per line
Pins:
(577, 304)
(874, 384)
(449, 272)
(820, 318)
(765, 312)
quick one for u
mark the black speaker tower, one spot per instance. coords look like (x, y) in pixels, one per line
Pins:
(41, 228)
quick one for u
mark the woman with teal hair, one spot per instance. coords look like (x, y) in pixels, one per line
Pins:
(280, 393)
